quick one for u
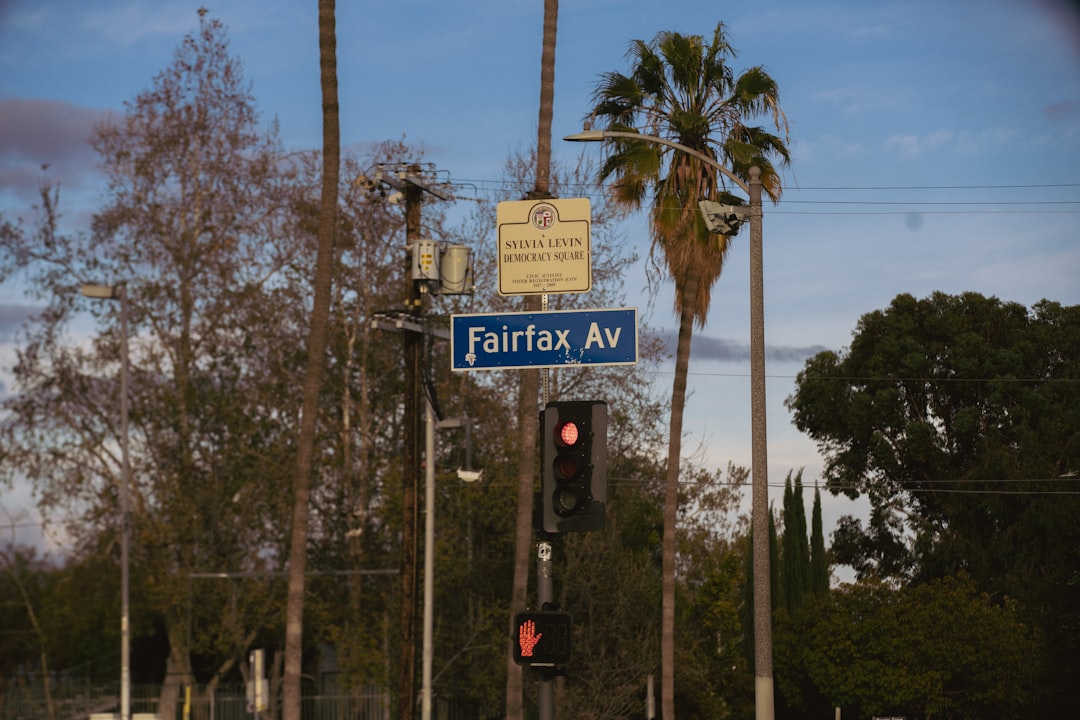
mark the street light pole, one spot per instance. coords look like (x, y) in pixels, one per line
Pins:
(428, 653)
(763, 666)
(759, 454)
(118, 292)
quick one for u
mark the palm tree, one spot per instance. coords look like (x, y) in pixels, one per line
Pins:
(528, 404)
(316, 349)
(682, 89)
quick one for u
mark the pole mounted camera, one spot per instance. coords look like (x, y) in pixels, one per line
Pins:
(723, 219)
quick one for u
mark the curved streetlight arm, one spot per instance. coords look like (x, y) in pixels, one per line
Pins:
(601, 135)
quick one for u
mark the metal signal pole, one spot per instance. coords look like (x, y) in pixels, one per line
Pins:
(544, 594)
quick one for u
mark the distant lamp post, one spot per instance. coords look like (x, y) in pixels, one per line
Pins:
(118, 292)
(763, 673)
(467, 474)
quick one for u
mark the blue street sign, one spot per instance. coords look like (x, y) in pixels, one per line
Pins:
(543, 339)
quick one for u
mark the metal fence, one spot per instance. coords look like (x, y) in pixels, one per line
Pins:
(225, 703)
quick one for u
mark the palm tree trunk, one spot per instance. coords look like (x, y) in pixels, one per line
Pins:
(688, 292)
(530, 384)
(316, 351)
(547, 98)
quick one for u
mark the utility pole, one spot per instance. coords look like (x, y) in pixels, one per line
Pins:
(412, 344)
(412, 182)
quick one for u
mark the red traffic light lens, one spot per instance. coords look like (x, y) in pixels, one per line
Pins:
(568, 434)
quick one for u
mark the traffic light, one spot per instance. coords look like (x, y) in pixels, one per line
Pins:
(573, 459)
(543, 639)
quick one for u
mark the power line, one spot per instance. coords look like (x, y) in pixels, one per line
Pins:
(593, 188)
(793, 188)
(926, 212)
(852, 486)
(939, 187)
(859, 378)
(284, 573)
(1040, 207)
(929, 202)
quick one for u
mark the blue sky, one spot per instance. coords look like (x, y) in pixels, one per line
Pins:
(936, 145)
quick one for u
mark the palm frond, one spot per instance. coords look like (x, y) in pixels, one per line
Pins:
(682, 88)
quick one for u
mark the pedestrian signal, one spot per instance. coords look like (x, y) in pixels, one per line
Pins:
(542, 639)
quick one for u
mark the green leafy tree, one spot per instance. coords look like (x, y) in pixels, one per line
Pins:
(681, 87)
(24, 575)
(958, 417)
(612, 591)
(711, 581)
(935, 650)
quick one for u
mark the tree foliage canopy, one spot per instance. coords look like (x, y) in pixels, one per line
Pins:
(937, 650)
(958, 417)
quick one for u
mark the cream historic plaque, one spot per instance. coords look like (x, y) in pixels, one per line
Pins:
(544, 246)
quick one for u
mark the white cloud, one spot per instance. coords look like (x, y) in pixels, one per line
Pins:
(859, 100)
(907, 146)
(967, 142)
(987, 140)
(939, 138)
(871, 31)
(827, 146)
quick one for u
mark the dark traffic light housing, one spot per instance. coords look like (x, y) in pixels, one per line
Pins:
(543, 639)
(573, 459)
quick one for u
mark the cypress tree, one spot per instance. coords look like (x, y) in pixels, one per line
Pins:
(795, 560)
(776, 586)
(819, 561)
(789, 552)
(802, 573)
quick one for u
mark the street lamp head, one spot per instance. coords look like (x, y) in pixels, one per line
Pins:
(586, 136)
(101, 292)
(469, 476)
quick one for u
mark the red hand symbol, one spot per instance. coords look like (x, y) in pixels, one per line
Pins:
(528, 637)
